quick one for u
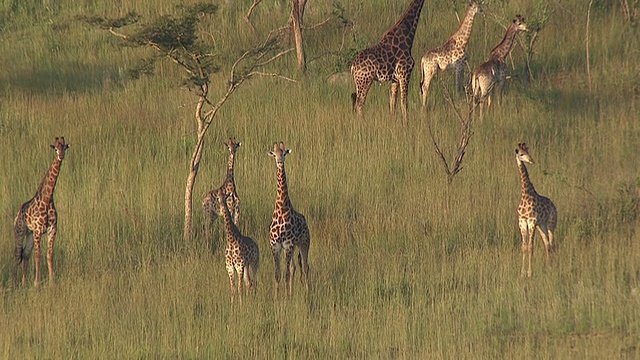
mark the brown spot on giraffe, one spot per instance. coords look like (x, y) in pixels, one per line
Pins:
(493, 72)
(242, 256)
(38, 217)
(210, 205)
(534, 212)
(289, 228)
(451, 55)
(389, 60)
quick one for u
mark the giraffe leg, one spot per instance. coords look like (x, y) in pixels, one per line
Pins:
(429, 68)
(524, 235)
(276, 250)
(531, 230)
(460, 75)
(393, 96)
(544, 234)
(36, 244)
(404, 90)
(303, 260)
(361, 94)
(52, 236)
(290, 268)
(241, 274)
(232, 286)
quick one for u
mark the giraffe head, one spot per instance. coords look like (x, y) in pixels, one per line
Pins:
(522, 154)
(232, 145)
(279, 152)
(60, 147)
(475, 7)
(519, 23)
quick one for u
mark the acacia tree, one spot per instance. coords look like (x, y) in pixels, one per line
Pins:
(175, 37)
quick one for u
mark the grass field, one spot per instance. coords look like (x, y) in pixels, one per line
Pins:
(403, 264)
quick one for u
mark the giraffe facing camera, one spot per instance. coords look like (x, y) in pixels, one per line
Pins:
(38, 217)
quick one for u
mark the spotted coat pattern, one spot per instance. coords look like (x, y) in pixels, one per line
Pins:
(288, 227)
(534, 212)
(451, 55)
(389, 60)
(38, 217)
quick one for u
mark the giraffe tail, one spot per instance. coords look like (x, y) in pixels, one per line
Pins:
(353, 100)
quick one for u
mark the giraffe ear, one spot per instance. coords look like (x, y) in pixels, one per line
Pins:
(52, 146)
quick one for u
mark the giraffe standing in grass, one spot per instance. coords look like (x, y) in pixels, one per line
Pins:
(534, 212)
(210, 205)
(389, 60)
(242, 255)
(493, 72)
(451, 55)
(38, 217)
(288, 228)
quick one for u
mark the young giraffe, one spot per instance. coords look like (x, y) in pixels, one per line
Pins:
(389, 60)
(210, 204)
(534, 211)
(451, 55)
(37, 217)
(242, 255)
(493, 72)
(288, 227)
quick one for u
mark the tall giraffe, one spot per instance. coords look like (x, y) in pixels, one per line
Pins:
(288, 227)
(389, 60)
(534, 211)
(451, 55)
(37, 217)
(242, 255)
(493, 72)
(210, 204)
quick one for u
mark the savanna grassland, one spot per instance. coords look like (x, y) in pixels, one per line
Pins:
(403, 264)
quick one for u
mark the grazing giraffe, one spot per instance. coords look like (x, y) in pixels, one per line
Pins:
(493, 72)
(37, 217)
(288, 227)
(534, 211)
(451, 55)
(210, 204)
(242, 255)
(389, 60)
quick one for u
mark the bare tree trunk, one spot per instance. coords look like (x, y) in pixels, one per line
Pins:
(587, 46)
(194, 166)
(297, 15)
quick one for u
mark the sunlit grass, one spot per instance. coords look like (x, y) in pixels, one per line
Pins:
(403, 265)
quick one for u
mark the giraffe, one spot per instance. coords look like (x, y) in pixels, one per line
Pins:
(288, 227)
(37, 217)
(451, 55)
(493, 72)
(242, 255)
(534, 211)
(389, 60)
(210, 206)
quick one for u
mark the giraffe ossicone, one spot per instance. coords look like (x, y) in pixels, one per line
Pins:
(38, 217)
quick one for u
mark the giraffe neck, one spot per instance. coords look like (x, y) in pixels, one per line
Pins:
(230, 168)
(405, 29)
(230, 227)
(282, 196)
(527, 187)
(503, 49)
(48, 184)
(464, 31)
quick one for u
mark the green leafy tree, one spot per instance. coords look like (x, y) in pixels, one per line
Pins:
(175, 37)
